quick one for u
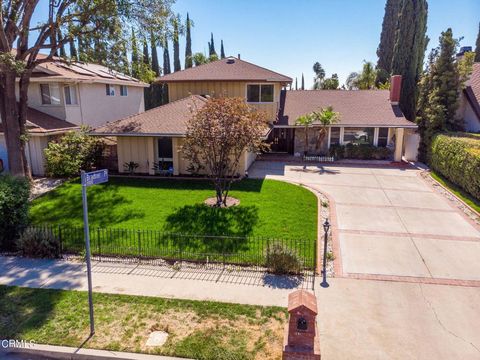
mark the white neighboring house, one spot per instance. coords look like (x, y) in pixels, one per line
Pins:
(470, 101)
(63, 97)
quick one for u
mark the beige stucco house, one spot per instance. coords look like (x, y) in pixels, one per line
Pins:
(62, 97)
(156, 136)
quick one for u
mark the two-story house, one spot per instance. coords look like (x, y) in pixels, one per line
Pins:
(62, 97)
(157, 134)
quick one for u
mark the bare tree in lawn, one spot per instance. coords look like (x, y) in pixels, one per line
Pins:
(24, 46)
(217, 136)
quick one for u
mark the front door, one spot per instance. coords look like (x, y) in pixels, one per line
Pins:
(281, 140)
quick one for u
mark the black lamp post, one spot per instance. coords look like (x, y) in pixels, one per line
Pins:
(326, 228)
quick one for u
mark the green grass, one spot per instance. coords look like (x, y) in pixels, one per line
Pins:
(467, 198)
(197, 329)
(268, 209)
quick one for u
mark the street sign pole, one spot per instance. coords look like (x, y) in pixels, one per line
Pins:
(87, 248)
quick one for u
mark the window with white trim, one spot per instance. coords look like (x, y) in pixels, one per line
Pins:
(259, 93)
(110, 89)
(123, 90)
(50, 94)
(70, 94)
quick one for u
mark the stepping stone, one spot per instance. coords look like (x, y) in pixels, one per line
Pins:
(157, 338)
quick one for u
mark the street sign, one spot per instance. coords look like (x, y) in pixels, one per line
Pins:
(89, 179)
(95, 177)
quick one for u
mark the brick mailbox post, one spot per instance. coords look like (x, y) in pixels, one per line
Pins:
(301, 340)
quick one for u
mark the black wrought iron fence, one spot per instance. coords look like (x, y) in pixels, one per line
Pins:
(153, 245)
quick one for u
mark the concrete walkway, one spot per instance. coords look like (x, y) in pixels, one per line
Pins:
(254, 288)
(388, 223)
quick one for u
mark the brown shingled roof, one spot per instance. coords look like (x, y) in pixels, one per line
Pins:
(472, 89)
(229, 69)
(356, 107)
(41, 123)
(168, 120)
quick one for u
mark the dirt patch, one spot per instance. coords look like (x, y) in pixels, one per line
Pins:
(231, 201)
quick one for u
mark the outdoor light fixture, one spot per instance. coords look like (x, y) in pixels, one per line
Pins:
(326, 228)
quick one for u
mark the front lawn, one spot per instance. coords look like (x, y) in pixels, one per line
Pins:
(124, 212)
(267, 208)
(197, 329)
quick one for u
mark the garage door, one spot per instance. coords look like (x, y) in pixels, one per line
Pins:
(3, 152)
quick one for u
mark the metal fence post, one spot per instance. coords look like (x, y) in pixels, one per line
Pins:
(99, 249)
(139, 245)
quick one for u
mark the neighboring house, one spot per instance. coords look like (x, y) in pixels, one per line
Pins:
(62, 97)
(470, 101)
(156, 135)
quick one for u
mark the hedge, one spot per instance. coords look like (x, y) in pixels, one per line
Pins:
(360, 151)
(14, 193)
(456, 156)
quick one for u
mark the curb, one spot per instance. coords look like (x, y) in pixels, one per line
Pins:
(70, 353)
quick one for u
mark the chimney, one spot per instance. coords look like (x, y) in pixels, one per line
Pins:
(395, 88)
(238, 56)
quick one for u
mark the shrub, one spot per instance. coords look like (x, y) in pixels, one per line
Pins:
(457, 157)
(73, 152)
(281, 260)
(14, 194)
(40, 243)
(360, 151)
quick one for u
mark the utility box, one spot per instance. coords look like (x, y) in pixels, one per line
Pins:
(301, 341)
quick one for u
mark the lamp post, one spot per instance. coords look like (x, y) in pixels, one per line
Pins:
(326, 228)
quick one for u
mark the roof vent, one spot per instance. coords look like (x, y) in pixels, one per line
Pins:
(230, 61)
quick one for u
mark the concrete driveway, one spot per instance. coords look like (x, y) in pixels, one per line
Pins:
(389, 223)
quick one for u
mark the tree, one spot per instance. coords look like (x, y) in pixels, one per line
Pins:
(217, 136)
(477, 46)
(135, 56)
(365, 80)
(387, 39)
(146, 56)
(18, 32)
(303, 82)
(439, 95)
(188, 46)
(351, 81)
(166, 58)
(153, 50)
(222, 50)
(306, 121)
(409, 51)
(176, 47)
(331, 83)
(199, 59)
(319, 75)
(211, 47)
(325, 117)
(296, 83)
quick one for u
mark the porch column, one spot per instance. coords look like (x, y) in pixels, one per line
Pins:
(175, 154)
(151, 154)
(398, 144)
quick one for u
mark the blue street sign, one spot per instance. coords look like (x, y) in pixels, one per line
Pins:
(94, 177)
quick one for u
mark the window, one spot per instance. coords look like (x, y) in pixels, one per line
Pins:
(110, 90)
(259, 93)
(358, 135)
(382, 137)
(70, 93)
(123, 90)
(50, 94)
(334, 136)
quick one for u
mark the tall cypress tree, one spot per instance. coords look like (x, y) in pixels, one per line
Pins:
(303, 82)
(188, 46)
(166, 58)
(222, 50)
(409, 51)
(211, 46)
(73, 50)
(153, 49)
(135, 56)
(176, 47)
(387, 37)
(477, 46)
(296, 83)
(146, 56)
(63, 54)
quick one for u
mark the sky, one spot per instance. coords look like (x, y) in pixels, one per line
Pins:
(290, 36)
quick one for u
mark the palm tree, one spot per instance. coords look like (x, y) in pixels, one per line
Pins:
(306, 121)
(366, 79)
(319, 75)
(325, 117)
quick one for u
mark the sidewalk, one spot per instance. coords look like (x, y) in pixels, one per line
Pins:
(216, 284)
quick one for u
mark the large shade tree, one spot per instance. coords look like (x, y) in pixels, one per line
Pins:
(217, 136)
